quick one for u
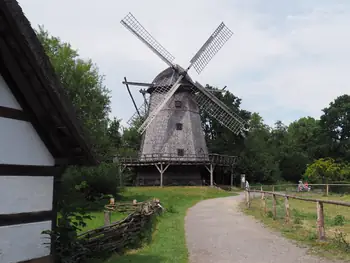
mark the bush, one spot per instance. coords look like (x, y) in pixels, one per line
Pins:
(91, 182)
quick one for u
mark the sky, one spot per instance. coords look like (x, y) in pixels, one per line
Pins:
(286, 59)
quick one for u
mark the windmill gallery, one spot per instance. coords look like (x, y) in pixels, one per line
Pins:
(173, 148)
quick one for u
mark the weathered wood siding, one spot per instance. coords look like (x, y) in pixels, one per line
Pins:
(162, 136)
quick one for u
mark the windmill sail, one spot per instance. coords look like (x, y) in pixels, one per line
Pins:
(199, 62)
(214, 43)
(131, 23)
(217, 109)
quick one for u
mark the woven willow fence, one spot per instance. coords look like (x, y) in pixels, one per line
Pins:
(115, 237)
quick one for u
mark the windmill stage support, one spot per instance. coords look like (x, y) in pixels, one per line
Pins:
(231, 177)
(122, 168)
(160, 167)
(210, 169)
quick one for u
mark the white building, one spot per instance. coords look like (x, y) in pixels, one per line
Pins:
(39, 137)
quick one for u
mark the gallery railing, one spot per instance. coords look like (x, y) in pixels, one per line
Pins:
(173, 158)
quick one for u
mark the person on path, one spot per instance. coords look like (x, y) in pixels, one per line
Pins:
(246, 185)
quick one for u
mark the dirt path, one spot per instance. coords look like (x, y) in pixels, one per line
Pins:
(217, 232)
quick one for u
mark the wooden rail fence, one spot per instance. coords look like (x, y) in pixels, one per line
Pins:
(319, 207)
(325, 187)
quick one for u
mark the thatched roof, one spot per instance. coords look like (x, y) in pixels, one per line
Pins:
(31, 77)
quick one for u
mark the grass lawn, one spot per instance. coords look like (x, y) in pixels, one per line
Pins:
(168, 240)
(302, 227)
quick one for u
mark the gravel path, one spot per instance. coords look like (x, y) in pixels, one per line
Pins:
(217, 232)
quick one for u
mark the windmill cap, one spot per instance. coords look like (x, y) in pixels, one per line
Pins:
(169, 76)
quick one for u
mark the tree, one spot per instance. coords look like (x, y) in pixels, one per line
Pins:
(84, 86)
(323, 170)
(219, 139)
(114, 135)
(335, 123)
(258, 161)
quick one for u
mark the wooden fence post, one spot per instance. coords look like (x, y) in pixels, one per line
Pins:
(327, 189)
(262, 194)
(274, 206)
(320, 221)
(286, 206)
(273, 188)
(263, 202)
(107, 218)
(247, 195)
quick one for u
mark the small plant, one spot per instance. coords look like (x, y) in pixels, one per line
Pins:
(171, 209)
(339, 220)
(340, 241)
(269, 214)
(297, 220)
(312, 236)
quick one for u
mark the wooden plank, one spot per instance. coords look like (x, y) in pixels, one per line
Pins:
(25, 218)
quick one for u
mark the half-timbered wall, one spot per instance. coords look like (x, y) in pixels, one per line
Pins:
(26, 184)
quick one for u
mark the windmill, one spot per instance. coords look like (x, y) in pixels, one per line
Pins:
(172, 128)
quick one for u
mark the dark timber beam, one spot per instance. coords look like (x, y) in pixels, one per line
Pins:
(132, 98)
(142, 84)
(14, 114)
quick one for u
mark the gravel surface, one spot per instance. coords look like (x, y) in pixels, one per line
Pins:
(217, 232)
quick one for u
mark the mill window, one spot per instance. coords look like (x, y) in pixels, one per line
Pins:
(179, 126)
(178, 104)
(180, 152)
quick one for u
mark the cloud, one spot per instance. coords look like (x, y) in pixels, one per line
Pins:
(285, 60)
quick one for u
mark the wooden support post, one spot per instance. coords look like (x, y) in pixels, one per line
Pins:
(161, 175)
(327, 189)
(274, 206)
(211, 172)
(120, 175)
(231, 177)
(247, 197)
(161, 170)
(264, 204)
(107, 218)
(286, 207)
(320, 221)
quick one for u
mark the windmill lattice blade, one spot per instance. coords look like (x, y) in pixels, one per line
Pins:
(214, 43)
(217, 109)
(164, 99)
(131, 23)
(142, 110)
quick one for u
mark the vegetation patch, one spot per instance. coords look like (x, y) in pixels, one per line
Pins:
(167, 243)
(302, 226)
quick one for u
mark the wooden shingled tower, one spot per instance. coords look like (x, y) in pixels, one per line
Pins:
(173, 143)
